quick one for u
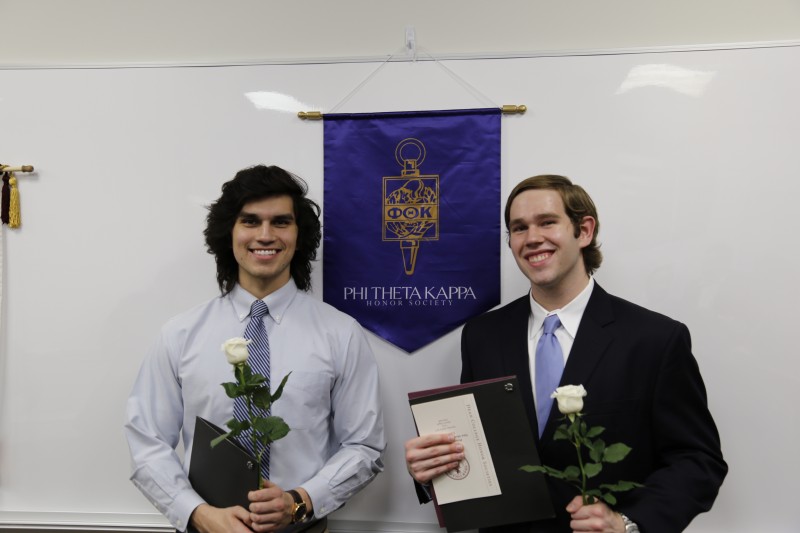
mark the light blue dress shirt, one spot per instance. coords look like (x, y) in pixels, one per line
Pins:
(331, 400)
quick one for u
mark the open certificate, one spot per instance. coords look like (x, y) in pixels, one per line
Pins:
(475, 476)
(488, 489)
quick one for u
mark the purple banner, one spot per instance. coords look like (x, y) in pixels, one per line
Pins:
(411, 220)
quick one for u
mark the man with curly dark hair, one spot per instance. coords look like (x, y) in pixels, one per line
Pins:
(264, 233)
(253, 184)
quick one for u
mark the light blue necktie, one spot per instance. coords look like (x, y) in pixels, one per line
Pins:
(259, 363)
(549, 366)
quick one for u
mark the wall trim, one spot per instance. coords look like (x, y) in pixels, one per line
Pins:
(424, 56)
(155, 523)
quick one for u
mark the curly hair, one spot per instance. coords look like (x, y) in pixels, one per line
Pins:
(577, 204)
(252, 184)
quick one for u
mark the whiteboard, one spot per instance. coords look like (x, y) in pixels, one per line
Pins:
(691, 157)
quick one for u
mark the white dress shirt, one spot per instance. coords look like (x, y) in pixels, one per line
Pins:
(331, 401)
(570, 316)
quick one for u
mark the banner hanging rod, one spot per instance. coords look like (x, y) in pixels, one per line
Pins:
(509, 109)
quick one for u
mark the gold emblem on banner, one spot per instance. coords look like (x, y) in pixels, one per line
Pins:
(410, 203)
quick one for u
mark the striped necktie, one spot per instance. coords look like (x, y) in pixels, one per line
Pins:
(259, 363)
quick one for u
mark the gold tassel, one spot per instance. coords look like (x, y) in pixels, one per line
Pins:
(13, 205)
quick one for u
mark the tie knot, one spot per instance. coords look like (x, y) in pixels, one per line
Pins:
(551, 324)
(258, 309)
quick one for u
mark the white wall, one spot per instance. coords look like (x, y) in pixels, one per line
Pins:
(114, 32)
(732, 139)
(690, 156)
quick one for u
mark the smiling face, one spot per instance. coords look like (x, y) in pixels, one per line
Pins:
(545, 247)
(264, 241)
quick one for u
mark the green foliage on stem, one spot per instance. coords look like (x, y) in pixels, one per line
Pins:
(582, 437)
(272, 428)
(253, 386)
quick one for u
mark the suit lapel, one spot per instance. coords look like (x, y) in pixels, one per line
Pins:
(515, 352)
(591, 343)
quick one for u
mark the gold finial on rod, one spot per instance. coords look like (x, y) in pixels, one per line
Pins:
(23, 168)
(310, 115)
(511, 109)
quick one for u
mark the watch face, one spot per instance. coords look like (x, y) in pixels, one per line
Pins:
(299, 511)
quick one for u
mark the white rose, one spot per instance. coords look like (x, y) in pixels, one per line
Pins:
(570, 398)
(236, 350)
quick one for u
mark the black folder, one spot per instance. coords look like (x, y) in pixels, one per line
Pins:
(222, 475)
(524, 497)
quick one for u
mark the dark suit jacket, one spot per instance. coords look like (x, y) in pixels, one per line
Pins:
(644, 387)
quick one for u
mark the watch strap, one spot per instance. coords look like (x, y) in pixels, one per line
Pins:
(299, 507)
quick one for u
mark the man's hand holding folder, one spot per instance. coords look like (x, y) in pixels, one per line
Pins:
(225, 476)
(523, 497)
(432, 455)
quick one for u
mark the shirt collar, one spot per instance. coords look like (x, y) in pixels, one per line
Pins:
(570, 315)
(277, 302)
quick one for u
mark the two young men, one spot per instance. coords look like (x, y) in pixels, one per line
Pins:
(643, 381)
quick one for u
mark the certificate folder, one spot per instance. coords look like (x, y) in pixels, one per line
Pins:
(222, 475)
(524, 497)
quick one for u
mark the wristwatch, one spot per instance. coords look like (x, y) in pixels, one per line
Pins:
(299, 510)
(630, 525)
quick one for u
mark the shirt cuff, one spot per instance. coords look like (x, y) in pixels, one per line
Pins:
(182, 508)
(322, 499)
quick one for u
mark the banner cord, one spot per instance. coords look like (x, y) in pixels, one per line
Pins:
(461, 81)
